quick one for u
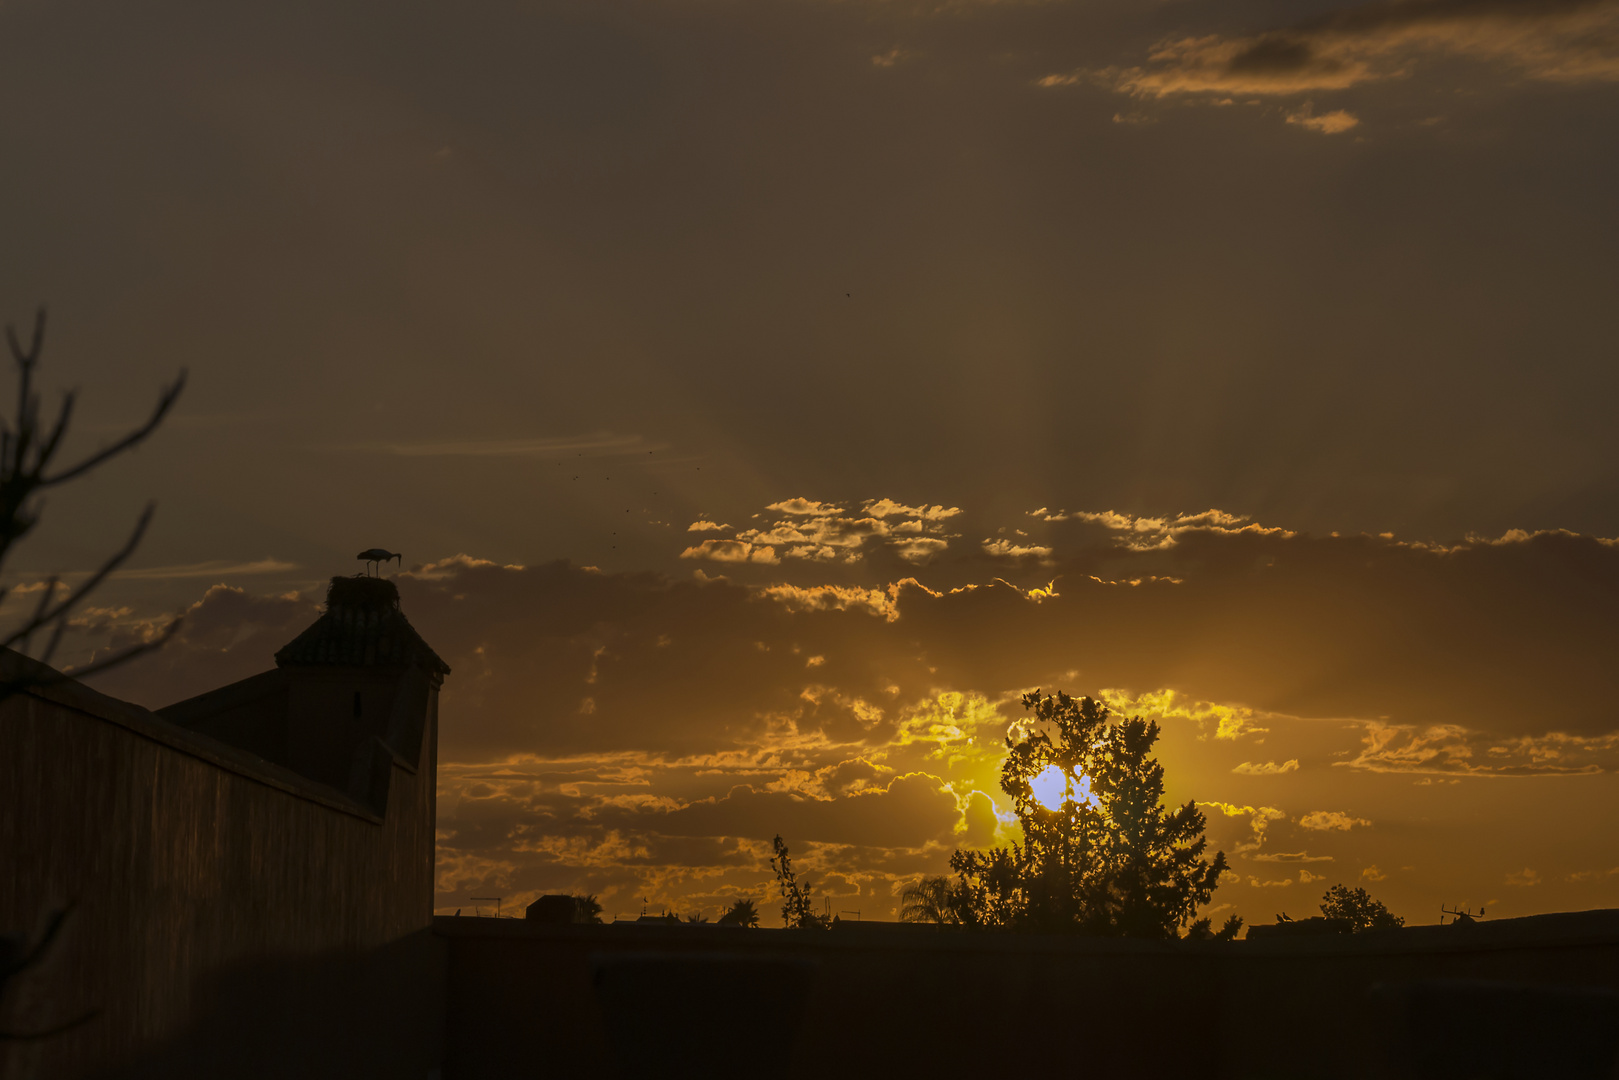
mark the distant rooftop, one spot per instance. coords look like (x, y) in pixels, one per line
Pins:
(361, 627)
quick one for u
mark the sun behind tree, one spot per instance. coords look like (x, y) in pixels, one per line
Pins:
(1101, 855)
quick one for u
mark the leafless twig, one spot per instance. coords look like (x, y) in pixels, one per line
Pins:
(28, 450)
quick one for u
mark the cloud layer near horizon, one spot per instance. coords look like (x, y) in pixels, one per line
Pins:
(636, 734)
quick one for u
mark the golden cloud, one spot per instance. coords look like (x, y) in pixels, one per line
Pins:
(1224, 722)
(732, 551)
(883, 508)
(1555, 40)
(1259, 819)
(1146, 534)
(918, 550)
(1266, 768)
(1323, 820)
(815, 531)
(455, 564)
(1006, 549)
(1331, 123)
(801, 507)
(881, 602)
(1454, 749)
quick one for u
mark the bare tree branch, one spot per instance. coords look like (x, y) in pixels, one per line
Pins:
(165, 402)
(45, 680)
(45, 614)
(26, 455)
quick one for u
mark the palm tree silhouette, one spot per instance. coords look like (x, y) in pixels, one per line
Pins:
(928, 901)
(587, 909)
(742, 913)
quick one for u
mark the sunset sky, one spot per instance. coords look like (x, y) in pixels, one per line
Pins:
(764, 396)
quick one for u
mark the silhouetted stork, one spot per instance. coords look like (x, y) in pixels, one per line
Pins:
(374, 556)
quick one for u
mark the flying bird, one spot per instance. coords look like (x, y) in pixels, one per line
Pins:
(373, 556)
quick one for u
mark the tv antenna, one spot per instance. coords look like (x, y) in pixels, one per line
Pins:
(1462, 916)
(495, 900)
(855, 913)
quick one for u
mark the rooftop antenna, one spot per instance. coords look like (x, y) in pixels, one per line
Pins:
(495, 900)
(374, 557)
(1462, 915)
(855, 913)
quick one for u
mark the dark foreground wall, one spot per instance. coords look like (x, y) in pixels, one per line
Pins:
(194, 871)
(1525, 998)
(376, 1014)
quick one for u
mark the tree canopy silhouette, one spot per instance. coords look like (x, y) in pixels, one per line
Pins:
(1354, 911)
(1100, 855)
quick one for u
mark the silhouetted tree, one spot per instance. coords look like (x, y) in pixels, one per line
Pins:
(928, 901)
(28, 449)
(1354, 911)
(699, 917)
(797, 910)
(1109, 859)
(586, 909)
(1203, 929)
(742, 913)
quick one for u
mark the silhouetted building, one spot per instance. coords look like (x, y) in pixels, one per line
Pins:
(348, 698)
(284, 816)
(554, 908)
(1314, 926)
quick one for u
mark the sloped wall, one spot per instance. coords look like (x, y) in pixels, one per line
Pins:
(181, 857)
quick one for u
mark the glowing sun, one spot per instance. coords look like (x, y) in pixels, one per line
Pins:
(1051, 788)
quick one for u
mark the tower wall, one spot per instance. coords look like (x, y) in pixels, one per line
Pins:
(211, 846)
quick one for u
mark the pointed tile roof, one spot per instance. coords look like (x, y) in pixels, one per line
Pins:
(361, 627)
